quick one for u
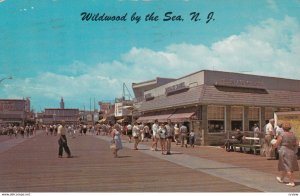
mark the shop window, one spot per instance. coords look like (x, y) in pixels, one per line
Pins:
(237, 124)
(216, 116)
(215, 126)
(252, 123)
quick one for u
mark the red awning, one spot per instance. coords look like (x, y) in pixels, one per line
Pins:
(180, 117)
(163, 118)
(148, 119)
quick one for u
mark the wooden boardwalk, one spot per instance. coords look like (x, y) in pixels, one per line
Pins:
(33, 166)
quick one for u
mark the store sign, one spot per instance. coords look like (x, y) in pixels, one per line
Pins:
(240, 83)
(12, 105)
(89, 117)
(118, 109)
(176, 88)
(96, 117)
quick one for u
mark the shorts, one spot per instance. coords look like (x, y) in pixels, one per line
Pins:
(156, 136)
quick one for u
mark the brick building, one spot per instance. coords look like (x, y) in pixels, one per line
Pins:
(15, 111)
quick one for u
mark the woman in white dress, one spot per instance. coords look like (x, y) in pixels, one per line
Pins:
(116, 139)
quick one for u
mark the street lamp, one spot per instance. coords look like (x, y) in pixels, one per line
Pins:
(9, 78)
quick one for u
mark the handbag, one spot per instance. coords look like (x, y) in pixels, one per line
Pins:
(273, 141)
(113, 145)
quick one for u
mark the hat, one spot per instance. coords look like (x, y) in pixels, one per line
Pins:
(286, 126)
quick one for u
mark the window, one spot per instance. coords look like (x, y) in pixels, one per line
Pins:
(216, 116)
(252, 123)
(237, 124)
(216, 112)
(215, 126)
(237, 117)
(253, 116)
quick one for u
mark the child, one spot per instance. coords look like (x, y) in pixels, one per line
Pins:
(192, 138)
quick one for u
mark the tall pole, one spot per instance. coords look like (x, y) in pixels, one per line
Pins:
(94, 104)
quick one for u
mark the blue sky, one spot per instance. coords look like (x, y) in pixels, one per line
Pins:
(51, 53)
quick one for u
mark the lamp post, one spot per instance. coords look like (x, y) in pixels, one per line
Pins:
(9, 78)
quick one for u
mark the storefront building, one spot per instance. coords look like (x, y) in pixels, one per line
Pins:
(15, 111)
(213, 103)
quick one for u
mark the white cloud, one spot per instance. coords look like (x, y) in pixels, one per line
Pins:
(270, 48)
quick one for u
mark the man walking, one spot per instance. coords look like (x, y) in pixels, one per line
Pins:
(155, 135)
(170, 135)
(183, 135)
(62, 141)
(270, 153)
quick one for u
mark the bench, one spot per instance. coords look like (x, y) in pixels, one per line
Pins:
(254, 147)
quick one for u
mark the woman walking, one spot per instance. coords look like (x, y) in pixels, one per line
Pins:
(116, 139)
(287, 163)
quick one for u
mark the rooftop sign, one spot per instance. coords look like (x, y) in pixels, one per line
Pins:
(240, 83)
(176, 88)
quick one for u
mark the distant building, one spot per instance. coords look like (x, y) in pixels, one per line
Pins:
(15, 111)
(123, 111)
(56, 115)
(107, 111)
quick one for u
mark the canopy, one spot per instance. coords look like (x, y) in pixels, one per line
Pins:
(148, 119)
(180, 117)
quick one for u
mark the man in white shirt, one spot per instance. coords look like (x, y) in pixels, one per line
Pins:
(155, 135)
(270, 153)
(62, 141)
(136, 135)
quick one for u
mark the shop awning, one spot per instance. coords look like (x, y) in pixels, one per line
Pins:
(163, 118)
(148, 119)
(180, 117)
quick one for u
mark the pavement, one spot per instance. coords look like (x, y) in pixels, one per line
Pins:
(32, 165)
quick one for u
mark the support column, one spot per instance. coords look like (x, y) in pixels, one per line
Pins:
(246, 119)
(204, 126)
(227, 120)
(262, 118)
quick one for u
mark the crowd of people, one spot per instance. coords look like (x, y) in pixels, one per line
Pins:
(162, 134)
(15, 130)
(273, 139)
